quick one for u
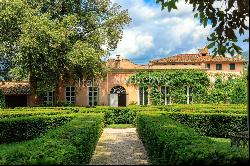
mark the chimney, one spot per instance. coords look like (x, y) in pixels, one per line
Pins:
(117, 61)
(239, 56)
(204, 51)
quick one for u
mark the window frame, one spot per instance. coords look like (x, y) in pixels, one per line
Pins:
(167, 97)
(230, 65)
(189, 94)
(208, 66)
(70, 96)
(144, 92)
(219, 64)
(93, 95)
(47, 96)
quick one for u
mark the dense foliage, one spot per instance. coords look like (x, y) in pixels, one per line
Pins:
(224, 90)
(25, 128)
(213, 124)
(228, 90)
(47, 39)
(177, 81)
(74, 142)
(228, 18)
(171, 143)
(70, 144)
(2, 99)
(14, 113)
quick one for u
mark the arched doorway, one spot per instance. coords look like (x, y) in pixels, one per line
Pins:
(119, 93)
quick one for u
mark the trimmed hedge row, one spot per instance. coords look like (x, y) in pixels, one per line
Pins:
(214, 125)
(70, 144)
(26, 128)
(115, 115)
(31, 112)
(170, 143)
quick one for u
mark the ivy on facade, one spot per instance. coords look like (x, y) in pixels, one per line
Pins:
(177, 81)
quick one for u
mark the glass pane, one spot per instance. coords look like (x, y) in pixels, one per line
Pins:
(90, 103)
(90, 94)
(72, 98)
(50, 94)
(95, 93)
(146, 98)
(72, 93)
(67, 88)
(95, 103)
(72, 88)
(67, 98)
(90, 89)
(67, 93)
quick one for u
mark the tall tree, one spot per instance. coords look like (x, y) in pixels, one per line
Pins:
(48, 39)
(228, 17)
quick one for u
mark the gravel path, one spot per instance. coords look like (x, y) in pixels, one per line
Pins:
(119, 147)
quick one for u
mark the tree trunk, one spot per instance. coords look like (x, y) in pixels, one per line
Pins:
(33, 88)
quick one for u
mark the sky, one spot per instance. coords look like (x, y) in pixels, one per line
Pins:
(155, 34)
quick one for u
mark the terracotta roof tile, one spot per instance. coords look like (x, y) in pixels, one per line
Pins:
(196, 58)
(15, 88)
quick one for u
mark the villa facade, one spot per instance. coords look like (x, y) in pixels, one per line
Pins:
(114, 90)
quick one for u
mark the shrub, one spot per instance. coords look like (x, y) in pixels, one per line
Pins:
(214, 125)
(13, 113)
(25, 128)
(70, 144)
(170, 143)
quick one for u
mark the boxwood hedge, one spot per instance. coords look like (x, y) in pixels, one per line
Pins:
(213, 124)
(70, 144)
(25, 128)
(170, 143)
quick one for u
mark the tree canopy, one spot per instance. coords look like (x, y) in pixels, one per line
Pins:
(45, 39)
(227, 17)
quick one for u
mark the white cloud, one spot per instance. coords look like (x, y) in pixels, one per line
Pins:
(134, 44)
(155, 34)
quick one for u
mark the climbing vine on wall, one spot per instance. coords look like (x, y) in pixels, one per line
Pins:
(227, 91)
(177, 81)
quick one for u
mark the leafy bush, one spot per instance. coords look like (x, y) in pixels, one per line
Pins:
(13, 113)
(214, 125)
(70, 144)
(2, 99)
(25, 128)
(170, 143)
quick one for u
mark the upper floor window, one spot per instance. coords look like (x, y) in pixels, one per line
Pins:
(70, 94)
(208, 66)
(232, 66)
(218, 66)
(48, 98)
(143, 95)
(93, 96)
(165, 91)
